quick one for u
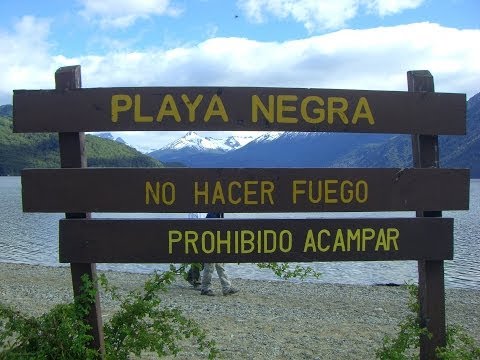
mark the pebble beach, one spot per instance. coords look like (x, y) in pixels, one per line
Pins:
(266, 319)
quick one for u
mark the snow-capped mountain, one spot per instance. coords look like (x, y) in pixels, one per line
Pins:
(192, 140)
(268, 136)
(272, 149)
(190, 147)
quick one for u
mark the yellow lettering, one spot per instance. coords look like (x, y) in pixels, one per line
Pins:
(218, 194)
(191, 238)
(247, 238)
(297, 191)
(340, 111)
(221, 242)
(208, 236)
(361, 187)
(267, 188)
(381, 241)
(191, 107)
(362, 111)
(273, 238)
(319, 239)
(309, 242)
(257, 105)
(230, 192)
(249, 192)
(174, 236)
(168, 108)
(166, 196)
(339, 242)
(153, 193)
(171, 199)
(285, 235)
(198, 192)
(346, 199)
(116, 107)
(329, 191)
(367, 234)
(216, 108)
(281, 108)
(319, 192)
(392, 236)
(318, 110)
(138, 117)
(353, 236)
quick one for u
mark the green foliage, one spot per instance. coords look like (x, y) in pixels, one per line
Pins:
(284, 271)
(403, 346)
(59, 334)
(140, 325)
(19, 151)
(109, 153)
(459, 345)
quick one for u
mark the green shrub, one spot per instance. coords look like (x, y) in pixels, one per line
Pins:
(140, 325)
(459, 345)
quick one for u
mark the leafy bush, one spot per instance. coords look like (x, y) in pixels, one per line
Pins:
(60, 334)
(140, 325)
(459, 345)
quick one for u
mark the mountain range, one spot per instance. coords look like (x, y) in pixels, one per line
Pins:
(193, 150)
(294, 149)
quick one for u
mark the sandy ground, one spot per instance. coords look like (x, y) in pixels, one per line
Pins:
(266, 319)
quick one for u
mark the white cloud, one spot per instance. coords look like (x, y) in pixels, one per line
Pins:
(318, 15)
(375, 59)
(389, 7)
(366, 59)
(123, 13)
(26, 60)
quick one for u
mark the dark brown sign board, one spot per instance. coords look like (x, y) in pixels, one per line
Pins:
(231, 190)
(238, 108)
(254, 240)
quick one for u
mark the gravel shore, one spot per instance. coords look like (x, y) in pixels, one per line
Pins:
(266, 319)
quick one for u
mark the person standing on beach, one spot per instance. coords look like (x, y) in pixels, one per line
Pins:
(206, 287)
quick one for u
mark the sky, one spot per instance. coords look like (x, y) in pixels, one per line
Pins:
(339, 44)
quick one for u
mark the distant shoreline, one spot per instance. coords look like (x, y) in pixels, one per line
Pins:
(266, 319)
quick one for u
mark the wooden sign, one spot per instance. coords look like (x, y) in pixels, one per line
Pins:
(238, 108)
(172, 190)
(70, 111)
(254, 240)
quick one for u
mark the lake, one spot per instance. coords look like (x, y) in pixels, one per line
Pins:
(33, 239)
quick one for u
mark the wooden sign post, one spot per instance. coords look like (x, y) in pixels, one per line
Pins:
(72, 155)
(77, 190)
(431, 285)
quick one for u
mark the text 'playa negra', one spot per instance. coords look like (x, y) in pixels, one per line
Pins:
(284, 109)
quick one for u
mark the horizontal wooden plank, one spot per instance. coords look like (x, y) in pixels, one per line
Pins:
(174, 190)
(255, 240)
(238, 108)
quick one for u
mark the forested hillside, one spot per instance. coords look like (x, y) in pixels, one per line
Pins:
(19, 151)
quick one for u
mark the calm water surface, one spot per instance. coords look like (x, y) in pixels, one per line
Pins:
(33, 239)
